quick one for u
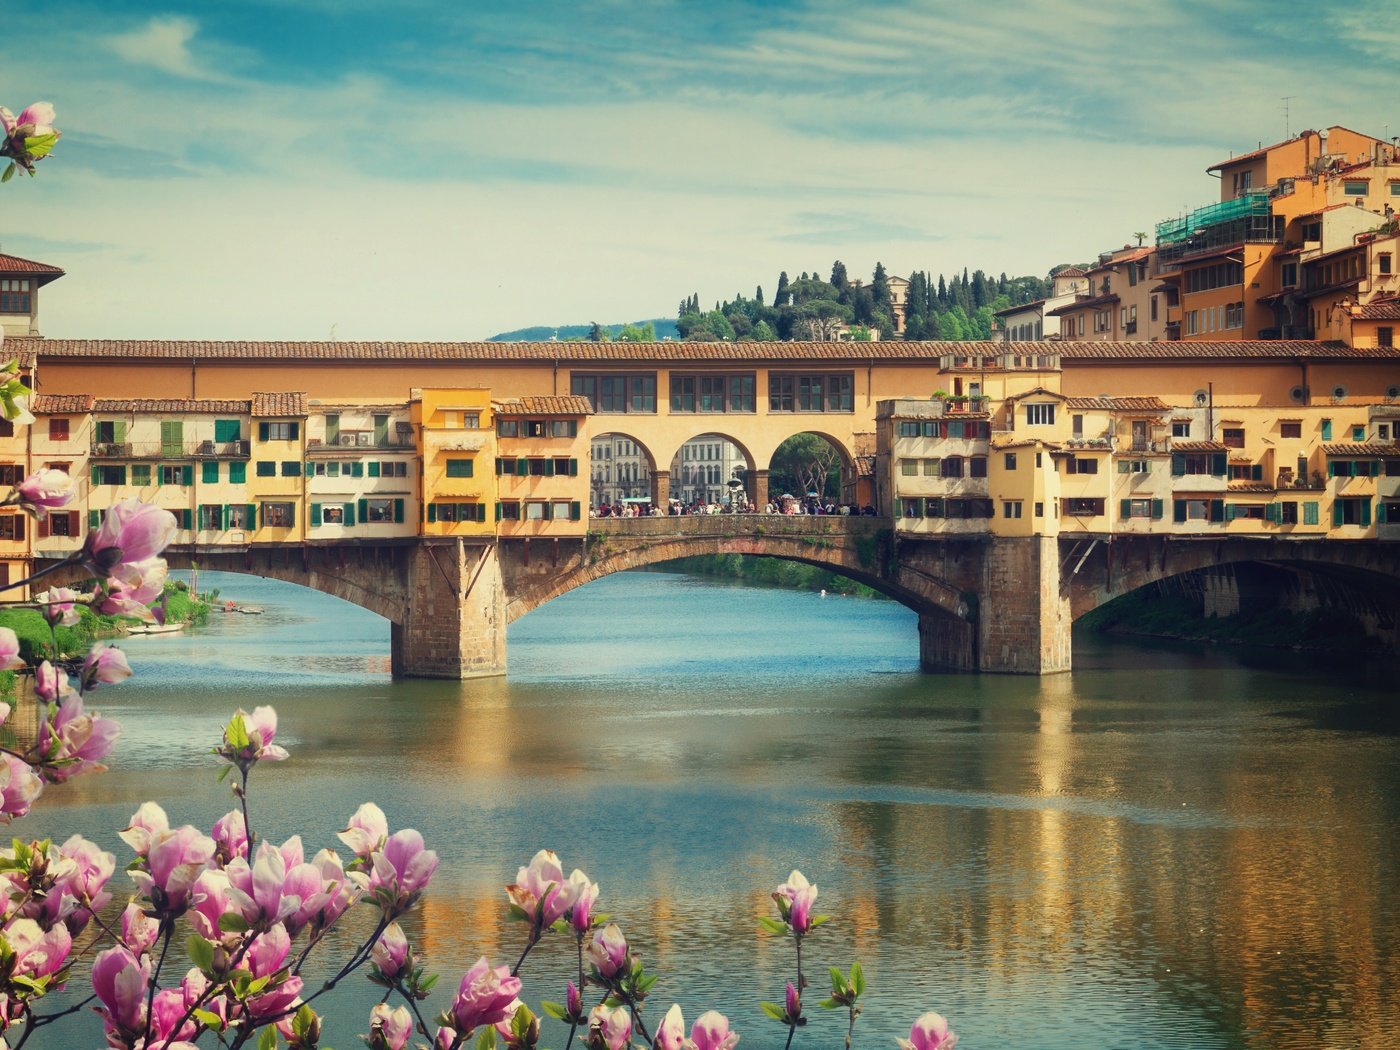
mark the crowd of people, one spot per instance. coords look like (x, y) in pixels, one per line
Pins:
(783, 505)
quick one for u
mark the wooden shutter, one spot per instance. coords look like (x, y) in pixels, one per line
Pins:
(1158, 507)
(93, 520)
(315, 514)
(573, 468)
(187, 474)
(43, 527)
(1217, 510)
(575, 510)
(364, 511)
(1337, 512)
(349, 513)
(262, 431)
(374, 468)
(1219, 464)
(432, 512)
(210, 472)
(398, 512)
(1178, 464)
(1125, 509)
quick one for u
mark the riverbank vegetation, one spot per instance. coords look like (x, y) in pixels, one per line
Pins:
(772, 572)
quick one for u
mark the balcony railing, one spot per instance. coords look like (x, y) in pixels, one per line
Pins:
(169, 450)
(360, 440)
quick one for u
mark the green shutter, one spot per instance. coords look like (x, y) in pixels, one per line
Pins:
(1365, 513)
(1219, 464)
(251, 516)
(94, 519)
(1122, 466)
(1336, 512)
(522, 467)
(432, 512)
(498, 466)
(187, 475)
(374, 468)
(1326, 430)
(357, 469)
(225, 430)
(310, 469)
(1256, 472)
(119, 431)
(223, 517)
(1158, 508)
(398, 512)
(295, 431)
(1217, 510)
(210, 472)
(348, 511)
(1272, 513)
(1178, 510)
(1178, 464)
(315, 514)
(1309, 513)
(92, 474)
(481, 513)
(575, 510)
(1381, 517)
(498, 510)
(364, 511)
(262, 431)
(549, 468)
(1230, 511)
(1125, 509)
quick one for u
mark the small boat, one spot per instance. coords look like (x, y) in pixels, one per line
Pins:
(250, 610)
(155, 628)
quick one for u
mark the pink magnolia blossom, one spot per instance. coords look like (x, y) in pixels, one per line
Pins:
(390, 952)
(573, 1002)
(608, 950)
(540, 890)
(19, 787)
(58, 606)
(208, 902)
(51, 683)
(795, 899)
(81, 888)
(341, 888)
(670, 1034)
(484, 997)
(38, 115)
(37, 952)
(610, 1029)
(176, 858)
(120, 980)
(401, 873)
(139, 930)
(585, 897)
(930, 1032)
(259, 729)
(9, 650)
(390, 1028)
(367, 831)
(168, 1010)
(133, 594)
(711, 1032)
(104, 665)
(130, 535)
(45, 489)
(73, 742)
(231, 836)
(268, 891)
(145, 822)
(265, 959)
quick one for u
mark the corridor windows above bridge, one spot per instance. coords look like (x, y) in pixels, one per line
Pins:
(713, 394)
(833, 392)
(634, 392)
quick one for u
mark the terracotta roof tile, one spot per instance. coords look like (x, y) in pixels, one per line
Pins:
(1197, 446)
(13, 264)
(168, 405)
(1361, 450)
(565, 405)
(1082, 304)
(53, 404)
(1119, 404)
(1250, 486)
(1069, 271)
(1268, 349)
(1380, 310)
(279, 404)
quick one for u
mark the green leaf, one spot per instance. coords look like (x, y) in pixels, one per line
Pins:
(521, 1021)
(201, 952)
(612, 1002)
(857, 979)
(236, 733)
(232, 922)
(771, 924)
(268, 1039)
(817, 920)
(9, 173)
(209, 1019)
(517, 913)
(774, 1011)
(838, 981)
(487, 1039)
(555, 1010)
(40, 145)
(830, 1004)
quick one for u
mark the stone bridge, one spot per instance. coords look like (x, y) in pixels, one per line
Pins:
(985, 603)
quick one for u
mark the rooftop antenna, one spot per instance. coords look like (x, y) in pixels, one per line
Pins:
(1287, 126)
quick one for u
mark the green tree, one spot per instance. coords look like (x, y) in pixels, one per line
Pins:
(839, 280)
(782, 297)
(805, 463)
(631, 333)
(597, 333)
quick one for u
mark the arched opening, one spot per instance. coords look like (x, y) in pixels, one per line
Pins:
(811, 471)
(711, 471)
(621, 472)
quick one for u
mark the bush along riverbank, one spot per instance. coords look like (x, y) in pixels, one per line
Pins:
(36, 643)
(773, 572)
(1152, 614)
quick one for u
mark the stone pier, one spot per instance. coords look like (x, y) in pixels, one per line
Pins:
(455, 623)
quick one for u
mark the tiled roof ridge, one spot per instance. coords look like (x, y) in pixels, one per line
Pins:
(7, 262)
(184, 404)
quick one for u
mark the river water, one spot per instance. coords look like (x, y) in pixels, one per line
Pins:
(1167, 848)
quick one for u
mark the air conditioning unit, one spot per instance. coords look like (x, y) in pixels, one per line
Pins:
(347, 439)
(364, 437)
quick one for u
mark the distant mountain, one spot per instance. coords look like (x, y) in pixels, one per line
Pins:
(665, 329)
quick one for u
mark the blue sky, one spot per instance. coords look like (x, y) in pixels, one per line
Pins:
(287, 169)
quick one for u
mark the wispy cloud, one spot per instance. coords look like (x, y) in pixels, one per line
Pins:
(162, 44)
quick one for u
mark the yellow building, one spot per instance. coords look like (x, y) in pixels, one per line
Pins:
(59, 439)
(542, 466)
(457, 440)
(276, 482)
(16, 527)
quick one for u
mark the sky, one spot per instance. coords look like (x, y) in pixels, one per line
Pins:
(434, 170)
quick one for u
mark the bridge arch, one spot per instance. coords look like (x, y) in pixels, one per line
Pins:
(845, 456)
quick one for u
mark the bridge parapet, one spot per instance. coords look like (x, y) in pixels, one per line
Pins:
(729, 525)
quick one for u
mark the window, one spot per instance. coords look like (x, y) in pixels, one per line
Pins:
(1040, 415)
(535, 428)
(1358, 433)
(1134, 466)
(1011, 508)
(291, 468)
(1039, 509)
(1351, 512)
(456, 468)
(508, 510)
(932, 467)
(278, 432)
(1355, 187)
(811, 393)
(63, 524)
(279, 515)
(1247, 511)
(11, 474)
(1009, 460)
(911, 508)
(266, 468)
(1246, 472)
(1142, 508)
(176, 475)
(508, 428)
(1232, 437)
(909, 468)
(1083, 508)
(58, 429)
(1287, 513)
(908, 428)
(617, 393)
(1385, 336)
(378, 511)
(563, 428)
(140, 473)
(391, 468)
(12, 526)
(1181, 428)
(14, 296)
(1081, 465)
(977, 467)
(562, 510)
(237, 472)
(209, 472)
(110, 475)
(1290, 429)
(453, 512)
(952, 467)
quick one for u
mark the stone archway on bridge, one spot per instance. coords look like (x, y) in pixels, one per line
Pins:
(712, 467)
(622, 469)
(842, 460)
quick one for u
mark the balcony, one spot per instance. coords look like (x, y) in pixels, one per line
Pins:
(362, 440)
(169, 450)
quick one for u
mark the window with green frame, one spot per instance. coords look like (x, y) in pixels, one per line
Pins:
(459, 468)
